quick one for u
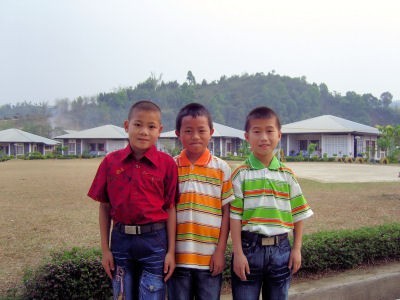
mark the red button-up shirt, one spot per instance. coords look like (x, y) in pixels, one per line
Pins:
(139, 191)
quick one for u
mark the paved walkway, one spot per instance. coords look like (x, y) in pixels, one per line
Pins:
(346, 172)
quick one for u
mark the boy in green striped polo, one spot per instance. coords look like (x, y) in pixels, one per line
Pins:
(268, 205)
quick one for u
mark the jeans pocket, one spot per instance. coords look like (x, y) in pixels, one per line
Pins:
(152, 286)
(247, 246)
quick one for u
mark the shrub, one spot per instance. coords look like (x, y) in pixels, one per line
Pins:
(344, 249)
(348, 159)
(359, 160)
(325, 157)
(4, 158)
(72, 274)
(339, 159)
(33, 155)
(384, 161)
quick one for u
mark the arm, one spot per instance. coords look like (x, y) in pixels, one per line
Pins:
(105, 223)
(169, 263)
(217, 263)
(240, 263)
(295, 254)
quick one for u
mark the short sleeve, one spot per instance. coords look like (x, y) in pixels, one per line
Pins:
(236, 207)
(171, 194)
(98, 189)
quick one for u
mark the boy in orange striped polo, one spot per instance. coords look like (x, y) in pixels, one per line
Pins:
(202, 211)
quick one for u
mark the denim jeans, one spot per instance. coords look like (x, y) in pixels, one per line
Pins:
(188, 284)
(139, 265)
(268, 270)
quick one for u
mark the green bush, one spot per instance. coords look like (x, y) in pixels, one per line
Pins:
(338, 250)
(73, 274)
(4, 158)
(34, 155)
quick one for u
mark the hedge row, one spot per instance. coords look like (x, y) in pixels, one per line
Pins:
(338, 250)
(72, 274)
(78, 274)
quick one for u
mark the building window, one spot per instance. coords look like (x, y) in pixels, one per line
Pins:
(19, 149)
(71, 148)
(100, 147)
(92, 147)
(303, 145)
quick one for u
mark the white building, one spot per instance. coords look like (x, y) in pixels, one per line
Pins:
(99, 140)
(332, 135)
(18, 142)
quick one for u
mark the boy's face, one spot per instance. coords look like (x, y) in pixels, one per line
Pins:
(263, 137)
(143, 128)
(195, 134)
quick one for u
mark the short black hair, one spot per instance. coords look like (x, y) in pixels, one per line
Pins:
(261, 112)
(194, 110)
(146, 105)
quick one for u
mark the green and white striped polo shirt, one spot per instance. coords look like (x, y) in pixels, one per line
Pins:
(267, 200)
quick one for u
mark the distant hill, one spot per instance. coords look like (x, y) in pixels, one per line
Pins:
(229, 99)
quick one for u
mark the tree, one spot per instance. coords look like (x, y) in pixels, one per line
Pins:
(386, 99)
(190, 78)
(390, 141)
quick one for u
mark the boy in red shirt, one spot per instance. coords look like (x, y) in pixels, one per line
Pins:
(137, 187)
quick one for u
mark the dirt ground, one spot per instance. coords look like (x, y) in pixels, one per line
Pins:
(44, 207)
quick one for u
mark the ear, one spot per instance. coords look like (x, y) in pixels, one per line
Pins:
(126, 125)
(246, 136)
(212, 131)
(177, 133)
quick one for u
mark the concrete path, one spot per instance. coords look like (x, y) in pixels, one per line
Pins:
(345, 172)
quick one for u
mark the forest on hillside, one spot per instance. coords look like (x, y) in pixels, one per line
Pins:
(229, 99)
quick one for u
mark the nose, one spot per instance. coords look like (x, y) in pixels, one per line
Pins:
(264, 136)
(195, 135)
(143, 131)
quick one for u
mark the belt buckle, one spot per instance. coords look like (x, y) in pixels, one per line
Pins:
(268, 241)
(132, 229)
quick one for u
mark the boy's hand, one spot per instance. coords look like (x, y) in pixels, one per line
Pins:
(217, 263)
(107, 261)
(295, 260)
(241, 266)
(169, 265)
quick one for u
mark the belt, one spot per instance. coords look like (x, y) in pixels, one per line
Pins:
(138, 229)
(264, 240)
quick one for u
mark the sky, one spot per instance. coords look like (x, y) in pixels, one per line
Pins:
(55, 49)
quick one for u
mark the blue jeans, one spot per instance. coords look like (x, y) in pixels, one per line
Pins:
(268, 269)
(139, 265)
(188, 284)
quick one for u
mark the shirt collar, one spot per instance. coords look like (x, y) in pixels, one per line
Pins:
(203, 160)
(258, 165)
(150, 154)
